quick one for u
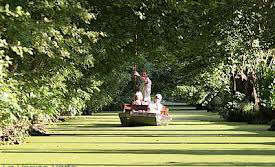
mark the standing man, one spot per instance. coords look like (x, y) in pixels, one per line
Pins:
(145, 86)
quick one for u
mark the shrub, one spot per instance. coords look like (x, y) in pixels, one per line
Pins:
(15, 133)
(189, 94)
(272, 125)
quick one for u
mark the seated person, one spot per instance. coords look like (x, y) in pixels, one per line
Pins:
(156, 106)
(139, 101)
(138, 98)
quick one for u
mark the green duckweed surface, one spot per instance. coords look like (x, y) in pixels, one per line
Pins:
(193, 138)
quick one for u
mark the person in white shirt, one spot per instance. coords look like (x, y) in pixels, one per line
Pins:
(145, 86)
(139, 101)
(138, 98)
(156, 106)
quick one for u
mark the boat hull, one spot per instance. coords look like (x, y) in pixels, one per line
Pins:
(131, 118)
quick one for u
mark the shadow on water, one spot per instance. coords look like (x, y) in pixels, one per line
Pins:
(171, 143)
(103, 125)
(91, 128)
(146, 151)
(161, 135)
(76, 126)
(160, 164)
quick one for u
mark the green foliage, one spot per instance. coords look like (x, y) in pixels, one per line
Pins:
(238, 45)
(46, 56)
(189, 94)
(266, 80)
(237, 109)
(63, 57)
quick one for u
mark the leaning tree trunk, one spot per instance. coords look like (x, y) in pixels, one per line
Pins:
(234, 88)
(255, 96)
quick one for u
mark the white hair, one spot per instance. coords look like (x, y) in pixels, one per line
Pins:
(159, 96)
(139, 95)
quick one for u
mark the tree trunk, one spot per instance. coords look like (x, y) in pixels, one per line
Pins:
(254, 91)
(255, 96)
(234, 85)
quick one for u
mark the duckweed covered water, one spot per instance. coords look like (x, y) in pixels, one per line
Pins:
(194, 138)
